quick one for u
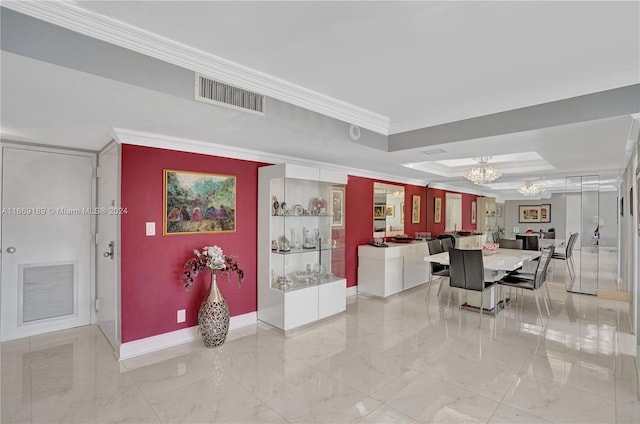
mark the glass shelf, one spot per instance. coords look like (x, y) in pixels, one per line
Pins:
(299, 251)
(289, 293)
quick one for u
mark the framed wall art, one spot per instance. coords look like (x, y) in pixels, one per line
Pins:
(534, 213)
(401, 211)
(390, 211)
(474, 211)
(337, 203)
(545, 213)
(415, 209)
(529, 213)
(437, 210)
(198, 202)
(379, 211)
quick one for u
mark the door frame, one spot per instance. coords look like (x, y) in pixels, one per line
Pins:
(114, 144)
(93, 222)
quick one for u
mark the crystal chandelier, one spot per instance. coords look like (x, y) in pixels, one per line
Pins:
(529, 188)
(483, 172)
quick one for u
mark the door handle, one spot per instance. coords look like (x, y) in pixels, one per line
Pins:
(11, 249)
(109, 254)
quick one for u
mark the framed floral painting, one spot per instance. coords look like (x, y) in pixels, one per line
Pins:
(198, 202)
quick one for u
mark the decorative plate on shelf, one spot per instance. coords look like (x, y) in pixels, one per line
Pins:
(298, 210)
(318, 204)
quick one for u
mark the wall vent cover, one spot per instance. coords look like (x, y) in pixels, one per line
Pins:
(219, 93)
(48, 291)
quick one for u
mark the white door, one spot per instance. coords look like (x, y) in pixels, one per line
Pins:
(47, 248)
(107, 291)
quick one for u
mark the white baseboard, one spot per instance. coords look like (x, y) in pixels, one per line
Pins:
(186, 335)
(173, 338)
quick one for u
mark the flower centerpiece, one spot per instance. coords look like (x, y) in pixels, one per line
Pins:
(213, 317)
(490, 248)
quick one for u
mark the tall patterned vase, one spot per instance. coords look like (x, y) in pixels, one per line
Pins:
(213, 318)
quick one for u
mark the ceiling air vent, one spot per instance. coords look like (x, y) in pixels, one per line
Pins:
(218, 93)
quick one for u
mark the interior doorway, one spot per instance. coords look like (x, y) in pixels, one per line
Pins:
(108, 242)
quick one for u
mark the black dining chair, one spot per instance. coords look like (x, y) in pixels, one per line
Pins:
(532, 282)
(529, 241)
(567, 255)
(546, 255)
(439, 270)
(466, 271)
(451, 239)
(548, 234)
(447, 244)
(510, 244)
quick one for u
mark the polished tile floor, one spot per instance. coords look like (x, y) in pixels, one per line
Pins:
(404, 360)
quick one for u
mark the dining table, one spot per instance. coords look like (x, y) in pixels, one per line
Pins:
(497, 264)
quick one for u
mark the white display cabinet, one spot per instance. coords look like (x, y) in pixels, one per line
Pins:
(301, 240)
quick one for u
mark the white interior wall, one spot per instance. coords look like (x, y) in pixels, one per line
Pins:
(558, 215)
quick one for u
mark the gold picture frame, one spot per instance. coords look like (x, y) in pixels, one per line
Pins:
(474, 211)
(379, 211)
(437, 210)
(415, 209)
(198, 203)
(390, 211)
(337, 203)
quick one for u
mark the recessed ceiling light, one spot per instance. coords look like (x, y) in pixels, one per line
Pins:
(433, 152)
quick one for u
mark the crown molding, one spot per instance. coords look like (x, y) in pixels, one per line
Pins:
(85, 22)
(454, 188)
(160, 141)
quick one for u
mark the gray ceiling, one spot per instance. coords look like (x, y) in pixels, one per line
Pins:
(445, 75)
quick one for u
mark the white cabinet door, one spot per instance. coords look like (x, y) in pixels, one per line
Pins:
(300, 307)
(332, 298)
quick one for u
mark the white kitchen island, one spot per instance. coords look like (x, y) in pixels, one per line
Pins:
(385, 271)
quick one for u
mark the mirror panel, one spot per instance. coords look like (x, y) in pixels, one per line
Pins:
(388, 210)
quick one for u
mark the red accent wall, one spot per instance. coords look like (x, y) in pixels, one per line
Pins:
(359, 218)
(466, 211)
(152, 267)
(438, 228)
(358, 222)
